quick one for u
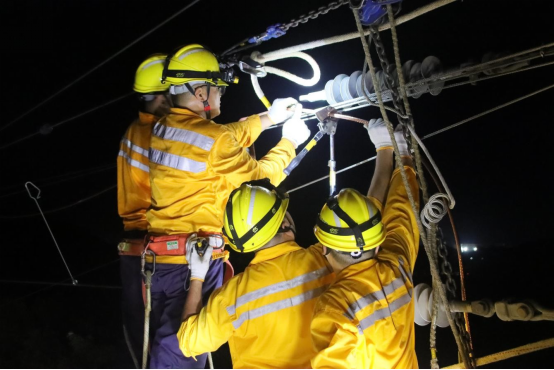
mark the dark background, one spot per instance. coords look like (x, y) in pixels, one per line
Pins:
(498, 167)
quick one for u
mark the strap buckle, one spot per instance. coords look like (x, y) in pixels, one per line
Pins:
(143, 261)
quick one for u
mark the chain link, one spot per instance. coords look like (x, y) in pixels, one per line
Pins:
(441, 249)
(314, 14)
(451, 289)
(392, 84)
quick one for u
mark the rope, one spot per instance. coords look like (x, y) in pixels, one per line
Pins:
(352, 35)
(488, 111)
(514, 352)
(61, 208)
(210, 360)
(402, 88)
(434, 269)
(98, 66)
(68, 119)
(147, 309)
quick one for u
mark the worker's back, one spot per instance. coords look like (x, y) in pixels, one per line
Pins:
(265, 312)
(196, 163)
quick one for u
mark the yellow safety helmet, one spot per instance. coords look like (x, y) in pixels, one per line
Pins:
(148, 79)
(194, 63)
(254, 214)
(350, 222)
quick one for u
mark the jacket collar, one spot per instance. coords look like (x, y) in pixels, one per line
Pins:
(275, 251)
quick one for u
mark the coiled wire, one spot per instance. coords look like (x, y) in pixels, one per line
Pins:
(434, 210)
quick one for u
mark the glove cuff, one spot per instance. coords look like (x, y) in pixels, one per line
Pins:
(196, 278)
(384, 148)
(294, 143)
(271, 119)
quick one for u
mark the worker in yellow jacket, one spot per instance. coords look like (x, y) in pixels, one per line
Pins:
(265, 312)
(366, 318)
(133, 194)
(195, 163)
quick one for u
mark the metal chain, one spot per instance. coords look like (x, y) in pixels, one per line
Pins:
(451, 289)
(314, 14)
(446, 267)
(392, 84)
(441, 251)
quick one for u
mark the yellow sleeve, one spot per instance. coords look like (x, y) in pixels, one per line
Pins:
(402, 231)
(246, 132)
(208, 330)
(230, 159)
(337, 342)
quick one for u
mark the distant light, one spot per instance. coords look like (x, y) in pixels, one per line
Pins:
(470, 258)
(468, 247)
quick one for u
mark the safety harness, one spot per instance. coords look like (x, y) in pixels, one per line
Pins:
(354, 228)
(240, 241)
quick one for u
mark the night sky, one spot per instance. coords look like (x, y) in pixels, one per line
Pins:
(498, 167)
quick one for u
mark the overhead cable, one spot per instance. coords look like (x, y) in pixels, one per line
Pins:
(64, 207)
(67, 120)
(64, 282)
(99, 65)
(61, 178)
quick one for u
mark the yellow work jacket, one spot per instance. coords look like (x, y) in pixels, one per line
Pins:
(264, 312)
(195, 163)
(366, 318)
(133, 181)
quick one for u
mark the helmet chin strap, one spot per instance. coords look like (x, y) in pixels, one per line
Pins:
(207, 108)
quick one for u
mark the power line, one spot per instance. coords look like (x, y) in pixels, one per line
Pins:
(442, 130)
(97, 67)
(61, 282)
(68, 120)
(61, 208)
(51, 284)
(61, 178)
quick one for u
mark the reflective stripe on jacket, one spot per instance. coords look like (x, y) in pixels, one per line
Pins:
(265, 312)
(366, 318)
(196, 163)
(133, 181)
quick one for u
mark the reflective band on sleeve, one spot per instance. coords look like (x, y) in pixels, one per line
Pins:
(405, 273)
(134, 162)
(278, 287)
(184, 136)
(385, 311)
(176, 162)
(371, 298)
(279, 305)
(135, 148)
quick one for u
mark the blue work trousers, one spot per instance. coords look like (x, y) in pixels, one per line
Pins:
(169, 292)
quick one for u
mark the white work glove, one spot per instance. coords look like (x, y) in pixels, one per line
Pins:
(279, 111)
(378, 133)
(401, 141)
(198, 265)
(295, 129)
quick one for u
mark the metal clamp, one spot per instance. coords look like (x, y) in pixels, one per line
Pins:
(248, 65)
(143, 261)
